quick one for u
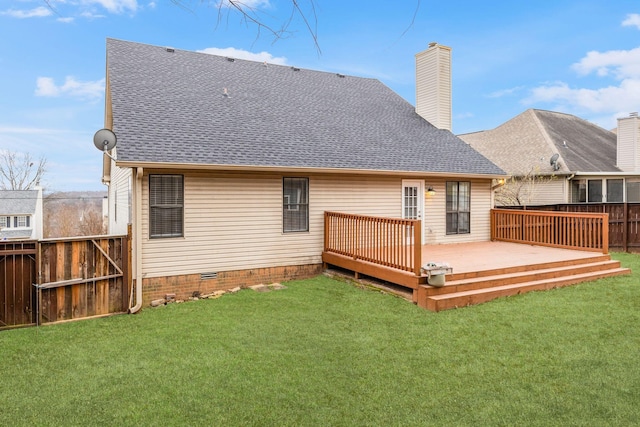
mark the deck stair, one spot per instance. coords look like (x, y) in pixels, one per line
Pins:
(466, 289)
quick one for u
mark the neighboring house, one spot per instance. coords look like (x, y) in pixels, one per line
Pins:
(225, 167)
(21, 214)
(560, 158)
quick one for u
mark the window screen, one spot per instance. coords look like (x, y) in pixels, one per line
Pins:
(579, 191)
(633, 191)
(615, 190)
(594, 189)
(295, 204)
(458, 207)
(166, 205)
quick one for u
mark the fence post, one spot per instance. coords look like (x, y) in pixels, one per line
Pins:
(326, 230)
(492, 224)
(417, 247)
(605, 234)
(625, 227)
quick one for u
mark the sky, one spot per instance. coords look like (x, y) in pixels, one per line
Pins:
(578, 57)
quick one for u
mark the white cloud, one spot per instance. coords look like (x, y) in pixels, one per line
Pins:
(67, 20)
(38, 12)
(619, 93)
(116, 6)
(633, 20)
(624, 97)
(91, 15)
(505, 92)
(246, 4)
(620, 63)
(466, 115)
(243, 54)
(45, 86)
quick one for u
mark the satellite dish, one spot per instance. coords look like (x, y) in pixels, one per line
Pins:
(105, 140)
(554, 161)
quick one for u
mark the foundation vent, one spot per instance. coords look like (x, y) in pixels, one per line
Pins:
(207, 276)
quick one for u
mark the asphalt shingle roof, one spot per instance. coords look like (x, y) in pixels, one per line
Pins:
(170, 107)
(18, 202)
(527, 142)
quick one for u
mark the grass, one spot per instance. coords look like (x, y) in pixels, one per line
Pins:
(325, 353)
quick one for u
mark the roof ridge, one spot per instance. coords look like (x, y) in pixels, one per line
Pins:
(549, 141)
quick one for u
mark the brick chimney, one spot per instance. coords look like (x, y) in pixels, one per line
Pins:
(433, 85)
(628, 147)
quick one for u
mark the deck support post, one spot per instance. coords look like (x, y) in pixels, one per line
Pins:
(421, 296)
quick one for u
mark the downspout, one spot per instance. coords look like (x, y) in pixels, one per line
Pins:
(567, 188)
(137, 239)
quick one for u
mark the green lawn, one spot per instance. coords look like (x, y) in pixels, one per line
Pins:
(325, 353)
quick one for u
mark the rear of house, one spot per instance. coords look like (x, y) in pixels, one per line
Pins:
(225, 167)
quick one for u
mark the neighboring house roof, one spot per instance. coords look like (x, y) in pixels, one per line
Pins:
(169, 106)
(527, 142)
(20, 234)
(15, 203)
(18, 202)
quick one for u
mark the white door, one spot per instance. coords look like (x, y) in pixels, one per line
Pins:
(412, 199)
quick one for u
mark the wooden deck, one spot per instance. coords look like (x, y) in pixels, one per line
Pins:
(467, 258)
(487, 270)
(541, 252)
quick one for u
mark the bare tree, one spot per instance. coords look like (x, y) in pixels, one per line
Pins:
(18, 171)
(92, 222)
(251, 15)
(61, 221)
(520, 190)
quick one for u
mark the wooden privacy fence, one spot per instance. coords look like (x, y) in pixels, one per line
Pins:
(390, 242)
(624, 220)
(17, 274)
(584, 231)
(69, 278)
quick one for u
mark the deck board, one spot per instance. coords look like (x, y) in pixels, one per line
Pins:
(484, 256)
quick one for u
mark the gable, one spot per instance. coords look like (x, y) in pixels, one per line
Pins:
(187, 108)
(527, 142)
(18, 202)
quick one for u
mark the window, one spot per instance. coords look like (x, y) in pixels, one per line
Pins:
(5, 221)
(591, 191)
(166, 205)
(633, 191)
(594, 191)
(295, 204)
(579, 191)
(458, 207)
(615, 190)
(21, 221)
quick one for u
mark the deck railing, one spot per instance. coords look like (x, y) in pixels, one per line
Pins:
(391, 242)
(573, 230)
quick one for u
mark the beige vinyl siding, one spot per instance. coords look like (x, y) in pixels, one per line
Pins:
(234, 221)
(433, 86)
(435, 227)
(120, 194)
(550, 192)
(628, 152)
